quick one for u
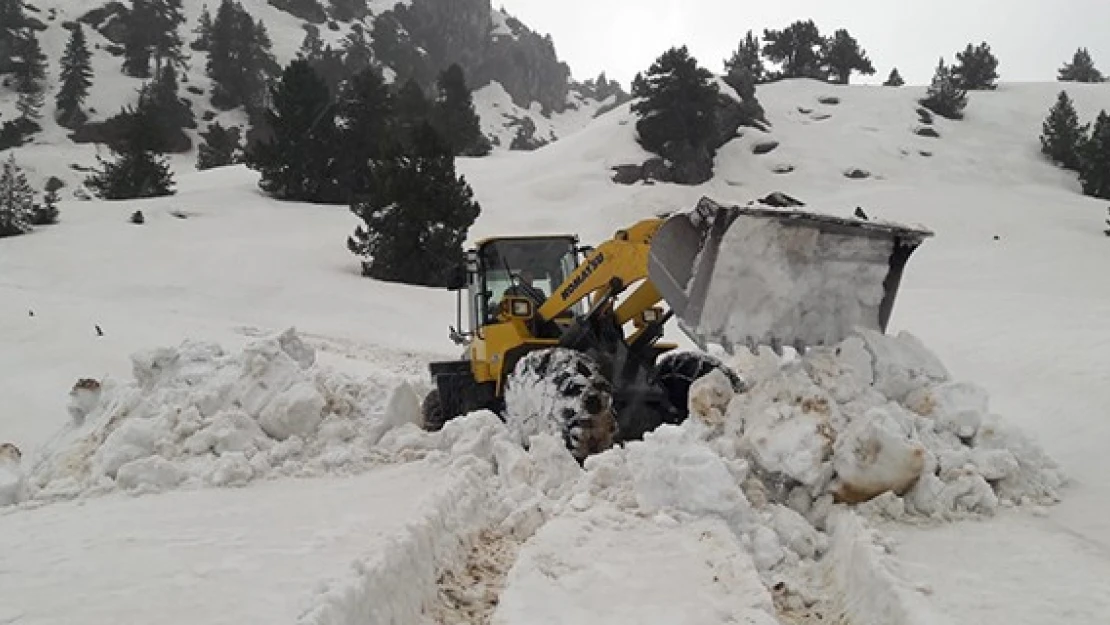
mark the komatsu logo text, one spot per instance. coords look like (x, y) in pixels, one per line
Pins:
(588, 270)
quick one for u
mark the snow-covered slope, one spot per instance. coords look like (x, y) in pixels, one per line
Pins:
(112, 89)
(1003, 296)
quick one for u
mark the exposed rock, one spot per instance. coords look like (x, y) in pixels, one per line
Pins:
(653, 169)
(927, 131)
(804, 111)
(764, 147)
(525, 139)
(108, 21)
(925, 153)
(308, 10)
(782, 168)
(925, 115)
(820, 118)
(828, 99)
(779, 199)
(856, 173)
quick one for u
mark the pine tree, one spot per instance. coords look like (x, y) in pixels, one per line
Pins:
(677, 102)
(412, 108)
(1081, 69)
(30, 105)
(47, 214)
(1107, 231)
(140, 32)
(1094, 168)
(221, 147)
(365, 112)
(30, 69)
(1062, 136)
(453, 114)
(746, 63)
(240, 61)
(17, 200)
(203, 31)
(843, 55)
(895, 79)
(800, 49)
(944, 97)
(140, 169)
(166, 45)
(357, 53)
(415, 225)
(298, 161)
(976, 68)
(76, 78)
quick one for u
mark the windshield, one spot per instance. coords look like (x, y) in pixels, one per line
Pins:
(545, 263)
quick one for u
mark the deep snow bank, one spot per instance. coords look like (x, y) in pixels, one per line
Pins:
(195, 416)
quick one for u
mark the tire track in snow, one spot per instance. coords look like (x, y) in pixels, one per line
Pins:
(470, 592)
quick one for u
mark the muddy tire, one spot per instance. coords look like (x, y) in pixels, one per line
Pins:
(432, 411)
(677, 372)
(562, 392)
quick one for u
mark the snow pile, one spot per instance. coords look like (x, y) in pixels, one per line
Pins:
(195, 416)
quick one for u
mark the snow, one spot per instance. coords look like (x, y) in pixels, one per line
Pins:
(993, 369)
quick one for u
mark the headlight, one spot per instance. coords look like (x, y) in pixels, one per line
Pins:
(521, 308)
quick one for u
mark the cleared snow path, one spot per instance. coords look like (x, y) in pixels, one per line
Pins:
(359, 549)
(606, 566)
(1010, 570)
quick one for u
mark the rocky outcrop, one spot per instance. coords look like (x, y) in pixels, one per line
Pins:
(490, 46)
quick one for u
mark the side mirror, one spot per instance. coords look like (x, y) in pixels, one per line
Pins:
(456, 280)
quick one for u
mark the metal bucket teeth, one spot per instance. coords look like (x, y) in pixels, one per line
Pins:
(778, 277)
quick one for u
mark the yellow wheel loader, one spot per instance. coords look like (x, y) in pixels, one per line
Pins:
(565, 338)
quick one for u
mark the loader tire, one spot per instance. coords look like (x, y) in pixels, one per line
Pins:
(432, 411)
(562, 392)
(677, 372)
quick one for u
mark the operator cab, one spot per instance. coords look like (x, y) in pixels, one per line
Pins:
(501, 263)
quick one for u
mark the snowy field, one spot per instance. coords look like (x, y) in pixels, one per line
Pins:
(280, 448)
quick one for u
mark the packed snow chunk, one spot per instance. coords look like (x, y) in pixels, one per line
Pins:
(795, 532)
(83, 398)
(844, 371)
(153, 472)
(195, 415)
(709, 398)
(786, 426)
(298, 410)
(957, 406)
(875, 455)
(1037, 478)
(11, 475)
(902, 363)
(670, 471)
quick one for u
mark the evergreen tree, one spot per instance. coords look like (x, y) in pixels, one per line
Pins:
(312, 46)
(221, 147)
(453, 114)
(843, 55)
(30, 105)
(30, 68)
(357, 53)
(1062, 136)
(895, 79)
(1094, 167)
(945, 97)
(298, 161)
(47, 214)
(12, 22)
(365, 113)
(746, 63)
(166, 44)
(411, 111)
(240, 61)
(1081, 69)
(203, 31)
(17, 200)
(76, 78)
(976, 68)
(415, 225)
(140, 32)
(140, 170)
(1107, 231)
(677, 102)
(799, 48)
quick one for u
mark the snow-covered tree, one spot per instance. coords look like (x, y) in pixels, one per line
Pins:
(1081, 69)
(1062, 136)
(17, 200)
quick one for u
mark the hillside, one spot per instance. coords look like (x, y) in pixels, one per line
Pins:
(1002, 296)
(522, 91)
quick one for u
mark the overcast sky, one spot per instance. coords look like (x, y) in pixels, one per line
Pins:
(1031, 38)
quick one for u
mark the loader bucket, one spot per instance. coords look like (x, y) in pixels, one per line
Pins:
(752, 276)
